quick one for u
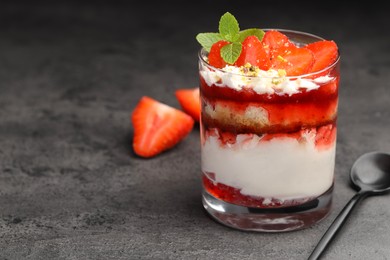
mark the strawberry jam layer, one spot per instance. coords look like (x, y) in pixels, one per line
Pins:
(245, 111)
(324, 137)
(234, 196)
(260, 117)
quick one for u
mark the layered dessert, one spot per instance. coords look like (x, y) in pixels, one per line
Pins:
(268, 122)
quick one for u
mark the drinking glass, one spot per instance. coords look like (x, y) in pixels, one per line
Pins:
(268, 144)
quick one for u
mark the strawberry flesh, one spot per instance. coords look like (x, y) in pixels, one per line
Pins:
(285, 55)
(189, 101)
(295, 61)
(215, 58)
(325, 54)
(253, 52)
(275, 41)
(158, 127)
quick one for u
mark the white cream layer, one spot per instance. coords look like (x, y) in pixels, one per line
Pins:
(280, 168)
(266, 82)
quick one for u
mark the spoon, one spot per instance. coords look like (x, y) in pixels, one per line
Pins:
(370, 175)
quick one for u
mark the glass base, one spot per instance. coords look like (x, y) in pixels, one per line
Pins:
(270, 219)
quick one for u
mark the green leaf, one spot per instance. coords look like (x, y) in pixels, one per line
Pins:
(231, 52)
(208, 39)
(228, 27)
(253, 31)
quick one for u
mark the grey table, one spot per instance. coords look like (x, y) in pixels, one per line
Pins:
(71, 186)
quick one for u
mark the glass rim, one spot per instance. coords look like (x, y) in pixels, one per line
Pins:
(202, 54)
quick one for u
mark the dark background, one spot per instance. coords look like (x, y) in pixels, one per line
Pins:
(71, 73)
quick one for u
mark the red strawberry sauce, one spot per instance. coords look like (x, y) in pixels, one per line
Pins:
(234, 196)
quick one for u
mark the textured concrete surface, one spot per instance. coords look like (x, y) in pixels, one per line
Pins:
(70, 185)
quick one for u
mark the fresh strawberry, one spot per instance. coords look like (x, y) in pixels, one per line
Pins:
(253, 52)
(189, 100)
(215, 58)
(295, 61)
(158, 127)
(275, 41)
(285, 55)
(325, 53)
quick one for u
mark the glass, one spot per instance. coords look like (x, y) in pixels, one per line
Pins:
(268, 145)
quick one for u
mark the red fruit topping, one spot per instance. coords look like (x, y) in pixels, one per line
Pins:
(253, 52)
(325, 53)
(285, 55)
(189, 100)
(215, 58)
(158, 127)
(275, 41)
(295, 61)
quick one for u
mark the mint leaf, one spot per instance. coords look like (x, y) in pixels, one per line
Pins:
(229, 30)
(253, 31)
(231, 52)
(228, 27)
(208, 39)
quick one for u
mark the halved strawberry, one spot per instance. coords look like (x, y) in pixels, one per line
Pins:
(158, 127)
(325, 53)
(285, 55)
(295, 61)
(215, 58)
(274, 40)
(253, 52)
(189, 101)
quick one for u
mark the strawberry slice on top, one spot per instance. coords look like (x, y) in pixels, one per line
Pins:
(275, 41)
(189, 100)
(285, 55)
(295, 61)
(253, 52)
(215, 58)
(158, 127)
(325, 54)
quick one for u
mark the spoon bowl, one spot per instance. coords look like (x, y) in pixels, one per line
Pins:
(370, 175)
(371, 172)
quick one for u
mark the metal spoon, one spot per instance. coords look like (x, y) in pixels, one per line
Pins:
(370, 175)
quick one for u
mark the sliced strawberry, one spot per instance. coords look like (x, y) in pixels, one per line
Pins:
(189, 101)
(253, 52)
(295, 61)
(215, 58)
(275, 41)
(158, 127)
(285, 55)
(325, 53)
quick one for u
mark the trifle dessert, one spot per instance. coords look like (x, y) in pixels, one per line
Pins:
(268, 126)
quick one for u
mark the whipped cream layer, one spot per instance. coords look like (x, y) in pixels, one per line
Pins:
(265, 82)
(282, 168)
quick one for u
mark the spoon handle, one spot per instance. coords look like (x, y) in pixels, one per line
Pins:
(336, 226)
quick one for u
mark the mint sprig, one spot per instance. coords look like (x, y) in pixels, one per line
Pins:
(229, 30)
